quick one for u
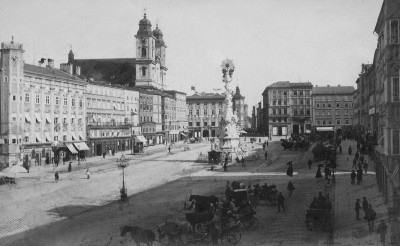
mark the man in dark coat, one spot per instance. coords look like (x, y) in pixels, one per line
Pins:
(353, 176)
(354, 163)
(281, 200)
(318, 175)
(359, 176)
(349, 150)
(243, 165)
(56, 176)
(309, 163)
(340, 149)
(357, 208)
(382, 230)
(357, 155)
(365, 206)
(264, 144)
(266, 155)
(371, 215)
(267, 143)
(69, 167)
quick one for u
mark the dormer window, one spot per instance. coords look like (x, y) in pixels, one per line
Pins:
(144, 52)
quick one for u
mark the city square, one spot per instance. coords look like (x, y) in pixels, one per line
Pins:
(115, 136)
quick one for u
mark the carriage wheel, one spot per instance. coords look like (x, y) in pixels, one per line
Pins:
(232, 237)
(251, 224)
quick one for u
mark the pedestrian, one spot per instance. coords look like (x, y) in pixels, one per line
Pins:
(340, 149)
(358, 145)
(349, 150)
(69, 167)
(88, 174)
(281, 200)
(371, 215)
(169, 149)
(259, 140)
(353, 176)
(357, 155)
(365, 166)
(267, 143)
(354, 163)
(309, 163)
(243, 165)
(225, 167)
(113, 152)
(359, 176)
(357, 208)
(290, 188)
(104, 155)
(318, 174)
(365, 207)
(110, 152)
(264, 146)
(27, 168)
(266, 155)
(326, 171)
(56, 176)
(382, 230)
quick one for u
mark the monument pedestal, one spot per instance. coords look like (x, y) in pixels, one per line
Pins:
(229, 143)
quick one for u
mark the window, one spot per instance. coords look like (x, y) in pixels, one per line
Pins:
(346, 105)
(301, 93)
(197, 112)
(26, 139)
(323, 113)
(308, 112)
(47, 100)
(213, 123)
(394, 31)
(144, 71)
(317, 113)
(337, 105)
(329, 112)
(295, 112)
(14, 97)
(205, 123)
(395, 89)
(190, 124)
(55, 138)
(26, 97)
(323, 122)
(65, 138)
(72, 120)
(144, 52)
(80, 103)
(57, 100)
(318, 122)
(317, 105)
(65, 120)
(337, 112)
(323, 105)
(337, 122)
(37, 100)
(197, 123)
(396, 142)
(329, 105)
(5, 79)
(347, 121)
(295, 93)
(55, 120)
(273, 111)
(190, 112)
(65, 101)
(205, 112)
(73, 102)
(346, 112)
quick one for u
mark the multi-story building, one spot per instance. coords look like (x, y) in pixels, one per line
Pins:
(379, 96)
(287, 108)
(40, 105)
(239, 108)
(204, 114)
(356, 103)
(150, 116)
(112, 118)
(178, 129)
(332, 106)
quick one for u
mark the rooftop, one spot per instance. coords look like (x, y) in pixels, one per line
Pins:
(204, 95)
(332, 90)
(52, 72)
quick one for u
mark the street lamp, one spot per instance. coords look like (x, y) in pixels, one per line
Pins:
(123, 163)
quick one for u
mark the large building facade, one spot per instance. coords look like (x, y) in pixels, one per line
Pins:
(379, 108)
(332, 107)
(40, 105)
(204, 114)
(287, 108)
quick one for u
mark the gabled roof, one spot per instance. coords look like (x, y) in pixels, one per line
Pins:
(115, 71)
(332, 90)
(51, 72)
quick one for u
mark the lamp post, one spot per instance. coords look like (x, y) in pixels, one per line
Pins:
(123, 163)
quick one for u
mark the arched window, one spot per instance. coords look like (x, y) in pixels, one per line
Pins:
(144, 71)
(144, 52)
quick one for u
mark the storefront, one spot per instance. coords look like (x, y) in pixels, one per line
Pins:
(107, 145)
(36, 154)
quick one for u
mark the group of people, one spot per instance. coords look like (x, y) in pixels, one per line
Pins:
(358, 163)
(321, 202)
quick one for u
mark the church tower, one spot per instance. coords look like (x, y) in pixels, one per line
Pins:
(160, 56)
(146, 66)
(11, 102)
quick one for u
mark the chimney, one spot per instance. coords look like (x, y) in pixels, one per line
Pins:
(41, 62)
(328, 86)
(338, 86)
(50, 63)
(78, 70)
(66, 67)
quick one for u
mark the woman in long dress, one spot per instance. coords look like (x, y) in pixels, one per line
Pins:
(318, 175)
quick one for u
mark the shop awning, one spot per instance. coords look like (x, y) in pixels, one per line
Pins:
(38, 140)
(325, 129)
(81, 146)
(80, 137)
(141, 139)
(73, 137)
(72, 149)
(183, 134)
(47, 137)
(38, 118)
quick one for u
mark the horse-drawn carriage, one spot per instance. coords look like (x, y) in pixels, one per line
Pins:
(268, 194)
(319, 213)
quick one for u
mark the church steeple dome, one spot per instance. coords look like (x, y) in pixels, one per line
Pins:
(144, 27)
(71, 57)
(157, 33)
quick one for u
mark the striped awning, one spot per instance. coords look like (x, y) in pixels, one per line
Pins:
(72, 149)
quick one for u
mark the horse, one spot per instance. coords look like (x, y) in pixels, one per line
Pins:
(171, 231)
(203, 203)
(139, 235)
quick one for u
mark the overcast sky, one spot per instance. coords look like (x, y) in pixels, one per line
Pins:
(324, 42)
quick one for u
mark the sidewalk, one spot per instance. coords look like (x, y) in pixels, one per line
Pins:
(348, 230)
